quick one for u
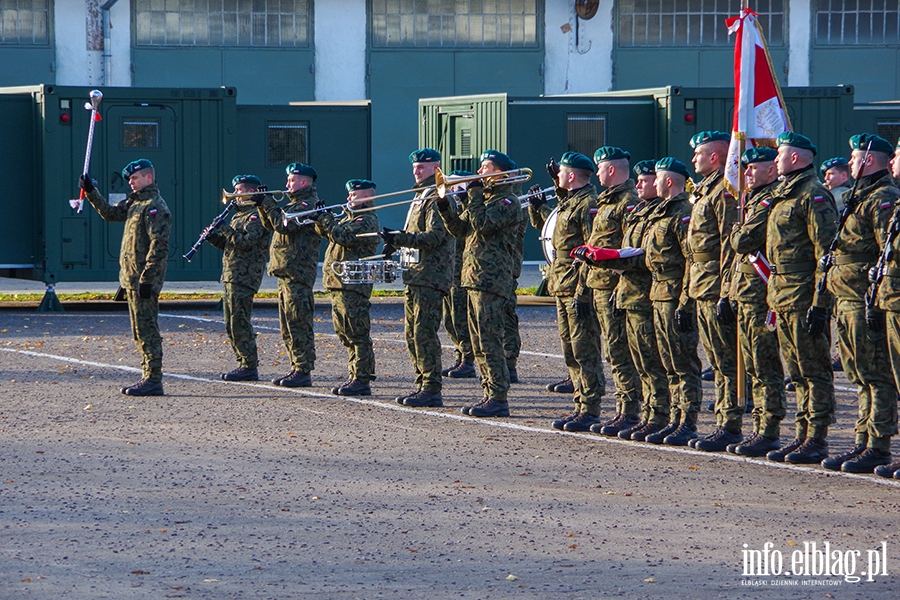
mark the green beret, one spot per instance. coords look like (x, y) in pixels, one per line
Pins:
(359, 184)
(576, 160)
(833, 162)
(705, 137)
(795, 140)
(645, 167)
(861, 141)
(425, 155)
(461, 173)
(610, 153)
(501, 160)
(758, 155)
(135, 166)
(301, 169)
(672, 164)
(248, 179)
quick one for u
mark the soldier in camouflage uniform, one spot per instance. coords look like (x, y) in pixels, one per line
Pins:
(712, 257)
(427, 249)
(885, 291)
(350, 301)
(142, 261)
(512, 341)
(578, 328)
(613, 206)
(489, 226)
(863, 348)
(801, 226)
(759, 343)
(294, 260)
(246, 245)
(836, 175)
(456, 303)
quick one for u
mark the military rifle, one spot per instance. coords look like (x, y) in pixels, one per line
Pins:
(877, 273)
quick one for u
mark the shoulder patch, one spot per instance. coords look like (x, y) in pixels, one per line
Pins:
(358, 220)
(887, 204)
(593, 210)
(818, 199)
(764, 203)
(685, 219)
(254, 218)
(507, 201)
(728, 194)
(152, 211)
(630, 207)
(304, 204)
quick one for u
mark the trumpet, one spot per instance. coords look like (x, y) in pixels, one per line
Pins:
(278, 195)
(301, 215)
(444, 182)
(524, 199)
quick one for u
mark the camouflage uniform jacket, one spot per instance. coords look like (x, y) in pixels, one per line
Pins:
(801, 226)
(344, 245)
(294, 253)
(633, 289)
(862, 237)
(489, 224)
(749, 237)
(576, 210)
(888, 291)
(246, 245)
(426, 247)
(145, 241)
(612, 208)
(665, 247)
(712, 256)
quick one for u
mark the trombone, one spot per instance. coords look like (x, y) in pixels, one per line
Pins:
(444, 182)
(278, 195)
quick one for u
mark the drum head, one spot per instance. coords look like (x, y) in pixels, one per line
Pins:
(547, 236)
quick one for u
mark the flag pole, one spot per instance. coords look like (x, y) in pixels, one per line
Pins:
(741, 372)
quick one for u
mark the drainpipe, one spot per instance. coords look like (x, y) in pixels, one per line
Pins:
(107, 42)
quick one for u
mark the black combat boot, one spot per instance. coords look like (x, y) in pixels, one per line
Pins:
(465, 409)
(465, 370)
(810, 452)
(241, 374)
(833, 463)
(402, 398)
(562, 387)
(423, 399)
(622, 423)
(778, 455)
(658, 436)
(491, 408)
(561, 423)
(888, 470)
(354, 388)
(335, 389)
(648, 429)
(759, 446)
(144, 387)
(732, 448)
(295, 379)
(867, 461)
(625, 434)
(446, 372)
(720, 443)
(583, 422)
(714, 435)
(681, 436)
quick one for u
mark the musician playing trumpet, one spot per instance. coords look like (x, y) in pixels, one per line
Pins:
(245, 243)
(350, 301)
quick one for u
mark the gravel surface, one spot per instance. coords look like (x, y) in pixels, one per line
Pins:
(229, 490)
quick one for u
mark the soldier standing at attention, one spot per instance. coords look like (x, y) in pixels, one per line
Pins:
(350, 301)
(607, 232)
(512, 341)
(579, 332)
(802, 223)
(294, 260)
(489, 226)
(836, 174)
(245, 243)
(427, 250)
(712, 257)
(142, 263)
(759, 344)
(863, 346)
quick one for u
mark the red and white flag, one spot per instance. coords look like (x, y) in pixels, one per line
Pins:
(759, 112)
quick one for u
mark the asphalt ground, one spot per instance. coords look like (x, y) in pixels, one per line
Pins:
(248, 490)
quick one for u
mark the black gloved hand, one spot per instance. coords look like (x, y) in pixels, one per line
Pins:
(583, 310)
(874, 319)
(537, 200)
(581, 253)
(319, 214)
(258, 198)
(388, 236)
(443, 202)
(85, 183)
(725, 312)
(145, 291)
(475, 184)
(319, 205)
(387, 250)
(553, 169)
(816, 320)
(685, 321)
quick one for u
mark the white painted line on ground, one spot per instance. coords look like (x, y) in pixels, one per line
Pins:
(488, 423)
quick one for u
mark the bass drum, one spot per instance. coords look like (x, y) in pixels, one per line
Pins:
(547, 236)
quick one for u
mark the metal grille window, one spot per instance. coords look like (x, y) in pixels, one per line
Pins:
(684, 23)
(889, 130)
(140, 134)
(288, 142)
(857, 22)
(25, 22)
(230, 23)
(585, 133)
(455, 23)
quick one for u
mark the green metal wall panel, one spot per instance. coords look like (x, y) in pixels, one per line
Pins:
(875, 77)
(27, 66)
(17, 250)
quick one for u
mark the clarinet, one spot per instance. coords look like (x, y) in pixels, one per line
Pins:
(212, 227)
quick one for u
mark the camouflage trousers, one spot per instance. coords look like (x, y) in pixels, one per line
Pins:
(615, 343)
(296, 308)
(456, 322)
(580, 338)
(350, 315)
(512, 341)
(645, 357)
(678, 353)
(487, 320)
(867, 365)
(720, 344)
(237, 305)
(144, 313)
(762, 362)
(422, 317)
(807, 360)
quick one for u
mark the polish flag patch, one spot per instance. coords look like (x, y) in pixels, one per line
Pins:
(358, 220)
(152, 211)
(818, 199)
(764, 203)
(886, 205)
(686, 219)
(254, 218)
(507, 201)
(630, 207)
(593, 211)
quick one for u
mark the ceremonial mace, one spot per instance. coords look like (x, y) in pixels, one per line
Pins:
(96, 97)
